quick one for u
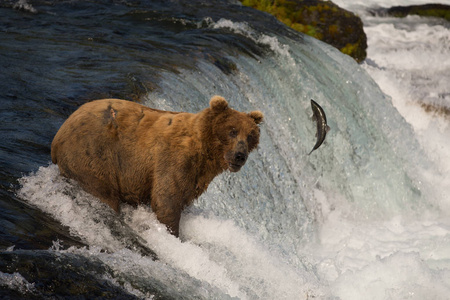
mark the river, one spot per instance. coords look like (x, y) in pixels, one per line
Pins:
(366, 216)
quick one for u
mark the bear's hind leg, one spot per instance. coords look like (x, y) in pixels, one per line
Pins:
(96, 187)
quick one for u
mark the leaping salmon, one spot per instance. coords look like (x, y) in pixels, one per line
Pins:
(321, 120)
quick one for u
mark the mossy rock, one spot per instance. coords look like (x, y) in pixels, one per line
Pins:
(323, 20)
(426, 10)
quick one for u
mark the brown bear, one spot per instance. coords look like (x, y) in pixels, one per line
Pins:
(121, 151)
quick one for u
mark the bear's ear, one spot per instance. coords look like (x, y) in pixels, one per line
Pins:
(257, 116)
(218, 103)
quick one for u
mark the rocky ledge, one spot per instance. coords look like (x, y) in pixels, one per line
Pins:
(426, 10)
(323, 20)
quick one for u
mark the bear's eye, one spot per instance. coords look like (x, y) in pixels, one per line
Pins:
(233, 133)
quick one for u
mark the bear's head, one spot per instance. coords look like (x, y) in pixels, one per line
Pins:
(236, 133)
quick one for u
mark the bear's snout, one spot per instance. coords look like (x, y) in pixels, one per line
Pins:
(237, 157)
(240, 158)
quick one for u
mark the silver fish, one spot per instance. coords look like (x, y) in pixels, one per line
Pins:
(321, 120)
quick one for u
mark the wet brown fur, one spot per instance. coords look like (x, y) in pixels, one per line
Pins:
(121, 151)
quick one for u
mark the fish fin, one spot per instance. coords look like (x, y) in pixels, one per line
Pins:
(328, 128)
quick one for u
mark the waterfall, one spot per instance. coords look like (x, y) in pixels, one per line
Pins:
(288, 225)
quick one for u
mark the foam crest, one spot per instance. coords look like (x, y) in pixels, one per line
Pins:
(69, 204)
(260, 38)
(25, 6)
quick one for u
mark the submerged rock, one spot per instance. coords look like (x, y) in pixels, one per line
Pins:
(47, 274)
(323, 20)
(44, 274)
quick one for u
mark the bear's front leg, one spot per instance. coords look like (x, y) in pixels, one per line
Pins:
(170, 194)
(168, 213)
(174, 186)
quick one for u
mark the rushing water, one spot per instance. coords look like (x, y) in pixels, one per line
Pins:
(363, 217)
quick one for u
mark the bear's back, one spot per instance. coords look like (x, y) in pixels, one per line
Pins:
(103, 124)
(122, 113)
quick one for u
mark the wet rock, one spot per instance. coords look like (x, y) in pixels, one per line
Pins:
(323, 20)
(426, 10)
(42, 274)
(436, 109)
(46, 275)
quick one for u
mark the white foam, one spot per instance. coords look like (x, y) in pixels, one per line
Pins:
(253, 265)
(398, 276)
(24, 5)
(214, 251)
(423, 47)
(411, 65)
(220, 253)
(69, 204)
(394, 259)
(185, 256)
